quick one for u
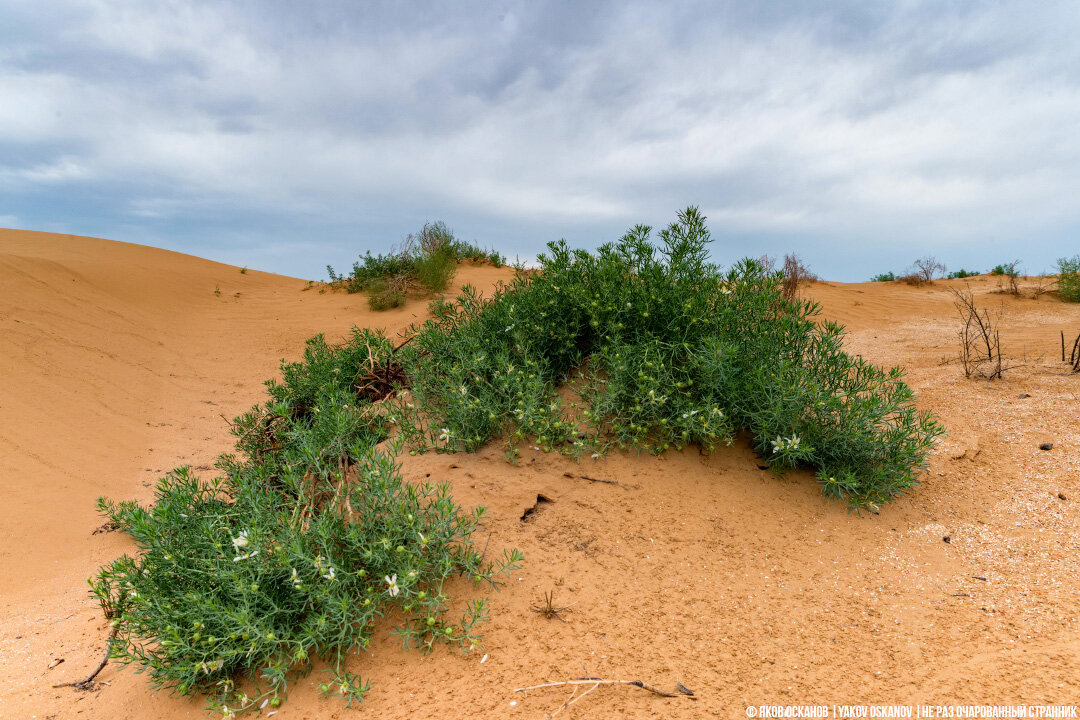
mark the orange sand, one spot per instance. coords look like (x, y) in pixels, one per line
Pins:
(120, 362)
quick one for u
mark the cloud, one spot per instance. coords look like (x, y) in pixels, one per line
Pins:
(856, 133)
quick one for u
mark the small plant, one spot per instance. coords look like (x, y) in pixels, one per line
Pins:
(884, 277)
(217, 291)
(439, 307)
(961, 273)
(795, 274)
(243, 270)
(926, 269)
(980, 339)
(548, 608)
(1068, 279)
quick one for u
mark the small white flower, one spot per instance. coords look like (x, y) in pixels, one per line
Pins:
(241, 540)
(509, 328)
(463, 390)
(245, 556)
(778, 444)
(295, 578)
(445, 435)
(596, 456)
(329, 574)
(391, 580)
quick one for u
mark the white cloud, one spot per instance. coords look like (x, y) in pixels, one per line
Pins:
(792, 119)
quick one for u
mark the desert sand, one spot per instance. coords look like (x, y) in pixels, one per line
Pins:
(120, 362)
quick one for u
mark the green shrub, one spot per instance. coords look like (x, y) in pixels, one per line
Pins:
(884, 277)
(385, 295)
(961, 273)
(373, 268)
(1004, 268)
(664, 350)
(435, 269)
(1068, 279)
(428, 258)
(295, 552)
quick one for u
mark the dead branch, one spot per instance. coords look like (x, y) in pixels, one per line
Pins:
(87, 683)
(601, 681)
(1074, 356)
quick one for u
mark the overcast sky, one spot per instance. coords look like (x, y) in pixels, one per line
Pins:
(288, 135)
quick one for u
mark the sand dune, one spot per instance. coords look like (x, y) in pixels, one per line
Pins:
(120, 362)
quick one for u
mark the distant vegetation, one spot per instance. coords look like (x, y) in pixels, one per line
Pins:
(962, 273)
(884, 277)
(425, 261)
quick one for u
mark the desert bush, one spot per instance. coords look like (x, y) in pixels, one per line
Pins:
(427, 258)
(663, 350)
(295, 552)
(911, 278)
(884, 277)
(795, 274)
(388, 292)
(1042, 284)
(1009, 274)
(926, 269)
(1068, 279)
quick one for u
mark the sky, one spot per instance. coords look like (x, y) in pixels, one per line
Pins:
(285, 136)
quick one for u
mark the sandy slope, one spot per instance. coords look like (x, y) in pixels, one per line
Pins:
(119, 361)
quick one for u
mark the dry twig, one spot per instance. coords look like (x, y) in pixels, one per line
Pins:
(87, 683)
(594, 683)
